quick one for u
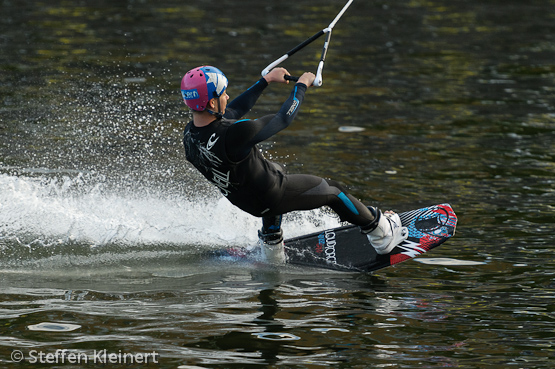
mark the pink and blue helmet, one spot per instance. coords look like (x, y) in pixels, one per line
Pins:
(202, 84)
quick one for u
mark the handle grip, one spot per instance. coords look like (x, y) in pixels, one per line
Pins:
(317, 81)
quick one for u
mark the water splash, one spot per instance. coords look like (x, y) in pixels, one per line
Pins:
(78, 215)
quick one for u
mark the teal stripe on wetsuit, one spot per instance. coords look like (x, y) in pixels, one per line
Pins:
(348, 203)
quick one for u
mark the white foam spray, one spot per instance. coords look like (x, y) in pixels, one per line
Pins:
(45, 210)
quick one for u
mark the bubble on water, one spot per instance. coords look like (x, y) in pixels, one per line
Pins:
(448, 262)
(350, 129)
(53, 327)
(276, 336)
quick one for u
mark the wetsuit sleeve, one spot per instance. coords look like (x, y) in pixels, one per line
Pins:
(244, 134)
(243, 103)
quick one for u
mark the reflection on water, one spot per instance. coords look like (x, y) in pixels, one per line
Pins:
(103, 224)
(258, 317)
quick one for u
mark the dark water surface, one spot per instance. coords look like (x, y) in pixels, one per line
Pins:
(102, 223)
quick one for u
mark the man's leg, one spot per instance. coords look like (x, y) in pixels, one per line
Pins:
(305, 192)
(271, 232)
(271, 240)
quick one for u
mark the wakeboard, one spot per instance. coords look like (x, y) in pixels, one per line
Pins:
(347, 249)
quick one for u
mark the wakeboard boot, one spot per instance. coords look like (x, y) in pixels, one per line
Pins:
(272, 246)
(385, 231)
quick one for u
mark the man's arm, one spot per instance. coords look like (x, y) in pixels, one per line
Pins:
(244, 134)
(243, 103)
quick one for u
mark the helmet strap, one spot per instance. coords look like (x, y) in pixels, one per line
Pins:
(217, 114)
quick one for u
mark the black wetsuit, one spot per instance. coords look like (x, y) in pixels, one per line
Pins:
(225, 152)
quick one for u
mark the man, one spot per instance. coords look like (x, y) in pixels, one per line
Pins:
(222, 146)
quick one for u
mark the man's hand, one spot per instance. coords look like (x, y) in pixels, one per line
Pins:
(307, 78)
(277, 75)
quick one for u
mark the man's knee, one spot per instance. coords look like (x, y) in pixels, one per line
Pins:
(335, 184)
(278, 167)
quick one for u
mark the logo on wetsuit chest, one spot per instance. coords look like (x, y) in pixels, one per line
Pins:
(326, 245)
(212, 141)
